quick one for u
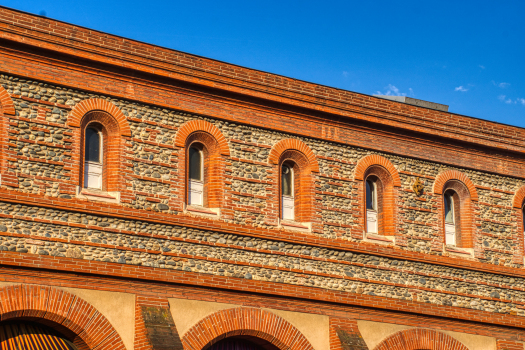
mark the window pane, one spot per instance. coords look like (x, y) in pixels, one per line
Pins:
(370, 195)
(449, 211)
(195, 164)
(287, 180)
(92, 145)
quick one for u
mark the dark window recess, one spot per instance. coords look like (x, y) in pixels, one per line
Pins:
(195, 157)
(370, 195)
(92, 145)
(449, 211)
(287, 180)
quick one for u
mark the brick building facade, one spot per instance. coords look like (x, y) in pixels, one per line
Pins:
(221, 207)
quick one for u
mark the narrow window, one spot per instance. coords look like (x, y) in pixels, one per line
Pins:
(196, 177)
(371, 206)
(93, 159)
(450, 222)
(287, 190)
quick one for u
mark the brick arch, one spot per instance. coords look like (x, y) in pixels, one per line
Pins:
(293, 144)
(448, 175)
(63, 311)
(8, 107)
(201, 126)
(519, 198)
(420, 339)
(375, 159)
(98, 104)
(245, 321)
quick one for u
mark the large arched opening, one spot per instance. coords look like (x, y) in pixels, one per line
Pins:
(23, 334)
(242, 343)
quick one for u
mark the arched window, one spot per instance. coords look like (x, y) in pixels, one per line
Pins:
(287, 192)
(372, 209)
(195, 176)
(456, 200)
(93, 157)
(450, 220)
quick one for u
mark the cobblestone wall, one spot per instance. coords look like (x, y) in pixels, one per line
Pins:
(42, 145)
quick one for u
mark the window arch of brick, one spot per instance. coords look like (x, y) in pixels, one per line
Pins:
(387, 179)
(7, 109)
(463, 195)
(112, 145)
(202, 126)
(419, 338)
(214, 146)
(518, 203)
(115, 129)
(245, 321)
(303, 161)
(75, 318)
(97, 104)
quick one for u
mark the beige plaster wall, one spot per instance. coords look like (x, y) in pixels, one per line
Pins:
(473, 341)
(316, 328)
(118, 308)
(186, 313)
(374, 333)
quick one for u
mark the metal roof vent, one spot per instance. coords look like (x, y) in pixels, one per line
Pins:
(415, 102)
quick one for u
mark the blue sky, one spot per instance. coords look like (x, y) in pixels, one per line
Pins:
(469, 55)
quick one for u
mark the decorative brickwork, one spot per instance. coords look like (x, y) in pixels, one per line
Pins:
(214, 146)
(154, 326)
(6, 109)
(96, 104)
(417, 339)
(444, 177)
(345, 335)
(201, 126)
(245, 321)
(87, 327)
(388, 180)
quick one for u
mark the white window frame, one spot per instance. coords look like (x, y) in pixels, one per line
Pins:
(372, 225)
(93, 171)
(196, 187)
(288, 202)
(450, 228)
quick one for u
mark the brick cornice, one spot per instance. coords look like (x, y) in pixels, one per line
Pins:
(74, 40)
(117, 211)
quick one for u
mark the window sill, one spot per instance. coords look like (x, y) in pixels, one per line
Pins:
(464, 252)
(97, 195)
(293, 225)
(202, 211)
(379, 239)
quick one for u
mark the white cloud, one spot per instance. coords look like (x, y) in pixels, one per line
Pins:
(521, 100)
(461, 88)
(501, 85)
(391, 90)
(345, 74)
(504, 98)
(481, 66)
